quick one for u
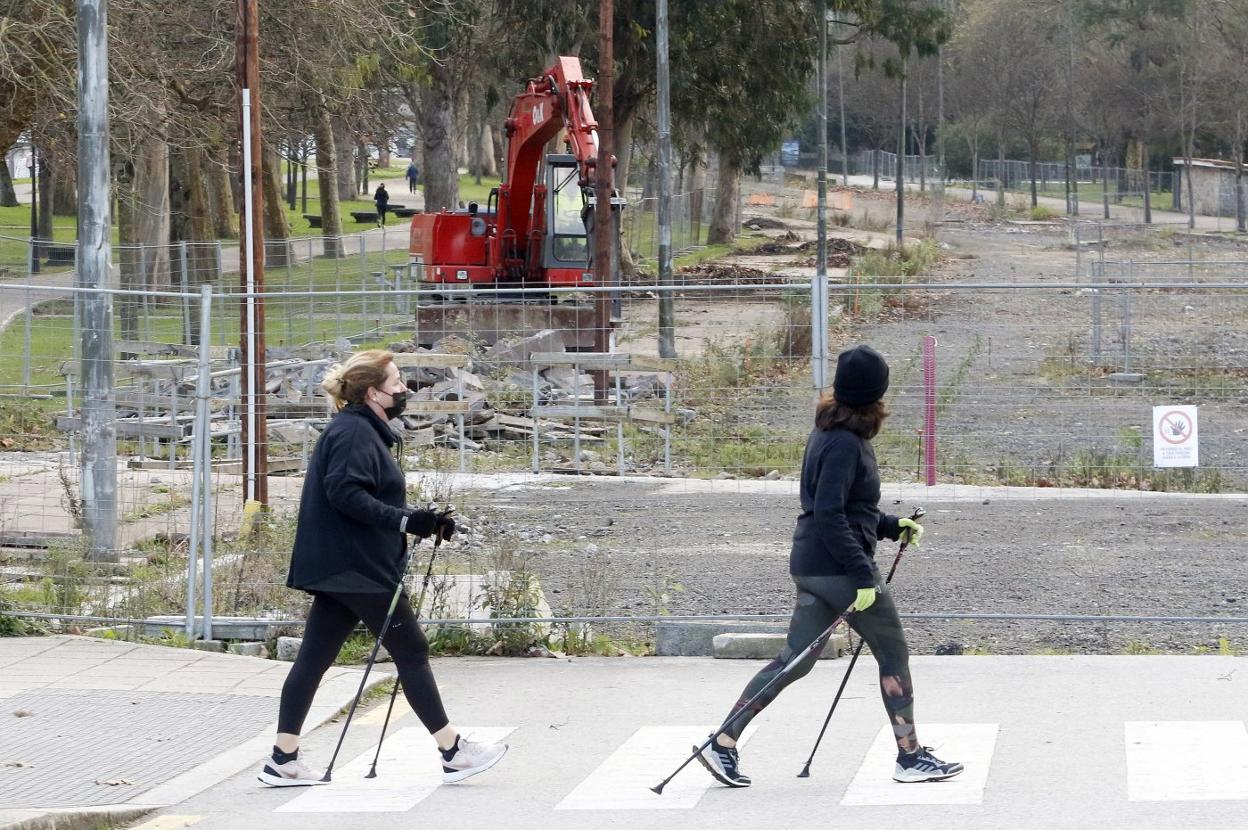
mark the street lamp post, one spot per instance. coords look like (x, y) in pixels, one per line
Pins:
(34, 208)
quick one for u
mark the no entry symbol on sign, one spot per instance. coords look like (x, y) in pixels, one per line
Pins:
(1176, 427)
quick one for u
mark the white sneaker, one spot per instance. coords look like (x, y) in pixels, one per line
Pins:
(290, 774)
(471, 758)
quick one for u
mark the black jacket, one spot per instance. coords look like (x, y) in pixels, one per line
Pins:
(841, 519)
(354, 499)
(381, 198)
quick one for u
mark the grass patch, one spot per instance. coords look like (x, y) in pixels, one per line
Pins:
(1042, 213)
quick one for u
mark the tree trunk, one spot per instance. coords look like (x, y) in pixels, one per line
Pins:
(151, 212)
(327, 178)
(1000, 170)
(345, 167)
(437, 122)
(220, 194)
(8, 195)
(127, 255)
(486, 165)
(64, 190)
(623, 163)
(200, 231)
(697, 192)
(45, 198)
(362, 158)
(875, 168)
(383, 151)
(1241, 222)
(973, 142)
(1148, 189)
(1032, 152)
(723, 229)
(277, 252)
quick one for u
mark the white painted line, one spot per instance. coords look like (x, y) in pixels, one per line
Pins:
(1186, 760)
(623, 781)
(971, 744)
(408, 773)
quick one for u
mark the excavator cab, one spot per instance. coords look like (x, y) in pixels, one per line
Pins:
(566, 252)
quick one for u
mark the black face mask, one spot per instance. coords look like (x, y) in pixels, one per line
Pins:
(397, 405)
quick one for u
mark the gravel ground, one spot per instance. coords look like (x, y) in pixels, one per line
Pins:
(728, 553)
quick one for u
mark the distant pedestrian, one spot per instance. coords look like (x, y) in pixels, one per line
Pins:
(382, 200)
(350, 546)
(833, 567)
(412, 175)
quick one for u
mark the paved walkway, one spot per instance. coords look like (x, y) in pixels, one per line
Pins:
(91, 724)
(1049, 742)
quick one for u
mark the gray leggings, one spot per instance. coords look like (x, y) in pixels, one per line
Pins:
(820, 600)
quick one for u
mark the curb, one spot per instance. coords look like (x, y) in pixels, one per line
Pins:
(84, 818)
(331, 698)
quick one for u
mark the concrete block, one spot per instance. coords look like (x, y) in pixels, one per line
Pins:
(208, 645)
(766, 646)
(249, 649)
(695, 638)
(288, 648)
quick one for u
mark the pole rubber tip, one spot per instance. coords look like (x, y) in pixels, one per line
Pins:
(657, 789)
(372, 773)
(805, 773)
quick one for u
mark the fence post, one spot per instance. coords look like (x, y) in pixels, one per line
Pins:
(26, 345)
(186, 300)
(200, 459)
(1097, 274)
(929, 409)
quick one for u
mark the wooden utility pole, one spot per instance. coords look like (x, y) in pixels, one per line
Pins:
(604, 225)
(251, 263)
(667, 300)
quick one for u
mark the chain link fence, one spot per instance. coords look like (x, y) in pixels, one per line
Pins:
(613, 485)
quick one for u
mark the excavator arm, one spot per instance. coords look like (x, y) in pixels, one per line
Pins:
(558, 99)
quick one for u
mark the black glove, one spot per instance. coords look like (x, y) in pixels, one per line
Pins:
(444, 526)
(420, 523)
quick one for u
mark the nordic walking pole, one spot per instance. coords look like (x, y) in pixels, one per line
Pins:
(818, 643)
(918, 513)
(394, 693)
(372, 658)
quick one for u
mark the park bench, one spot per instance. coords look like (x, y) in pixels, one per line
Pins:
(314, 219)
(60, 254)
(362, 216)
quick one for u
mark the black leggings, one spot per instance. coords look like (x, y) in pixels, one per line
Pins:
(332, 619)
(820, 600)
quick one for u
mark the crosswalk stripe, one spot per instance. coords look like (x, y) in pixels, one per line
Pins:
(624, 779)
(377, 715)
(1186, 760)
(168, 822)
(972, 744)
(408, 772)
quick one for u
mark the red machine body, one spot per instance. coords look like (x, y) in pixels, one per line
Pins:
(532, 231)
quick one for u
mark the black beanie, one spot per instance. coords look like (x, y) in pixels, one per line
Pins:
(861, 376)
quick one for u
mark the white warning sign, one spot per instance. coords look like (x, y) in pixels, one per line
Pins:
(1176, 441)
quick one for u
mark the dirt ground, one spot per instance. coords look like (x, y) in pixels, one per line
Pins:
(1017, 403)
(672, 552)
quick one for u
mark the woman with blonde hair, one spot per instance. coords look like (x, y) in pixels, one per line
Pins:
(350, 546)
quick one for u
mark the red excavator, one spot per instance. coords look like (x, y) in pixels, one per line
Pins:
(532, 231)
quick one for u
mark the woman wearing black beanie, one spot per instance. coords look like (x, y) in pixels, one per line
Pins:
(833, 567)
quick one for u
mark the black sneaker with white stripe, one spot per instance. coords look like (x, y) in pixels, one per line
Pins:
(914, 767)
(723, 763)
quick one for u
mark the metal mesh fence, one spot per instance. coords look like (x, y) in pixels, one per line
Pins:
(1041, 385)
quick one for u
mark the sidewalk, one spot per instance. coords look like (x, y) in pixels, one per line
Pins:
(97, 726)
